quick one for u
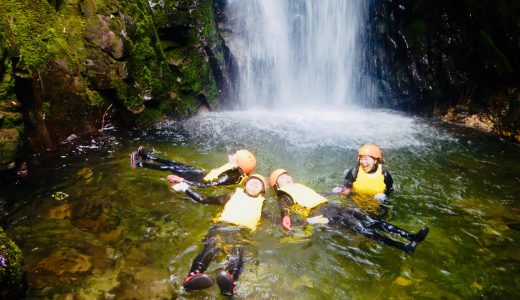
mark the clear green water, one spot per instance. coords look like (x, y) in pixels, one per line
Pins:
(123, 234)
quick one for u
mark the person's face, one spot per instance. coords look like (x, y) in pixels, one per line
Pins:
(283, 180)
(367, 162)
(254, 186)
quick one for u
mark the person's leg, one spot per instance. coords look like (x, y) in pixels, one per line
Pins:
(387, 227)
(376, 236)
(197, 279)
(187, 172)
(226, 279)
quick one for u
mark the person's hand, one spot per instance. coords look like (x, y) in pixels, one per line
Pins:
(174, 179)
(286, 223)
(181, 187)
(318, 220)
(341, 190)
(380, 197)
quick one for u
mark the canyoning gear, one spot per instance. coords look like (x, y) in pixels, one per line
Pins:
(318, 220)
(420, 235)
(370, 150)
(303, 196)
(197, 281)
(226, 283)
(225, 175)
(369, 183)
(142, 153)
(260, 177)
(216, 172)
(242, 210)
(274, 176)
(246, 161)
(180, 187)
(226, 280)
(134, 160)
(380, 197)
(368, 226)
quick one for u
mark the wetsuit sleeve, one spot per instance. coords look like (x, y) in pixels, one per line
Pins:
(220, 200)
(229, 178)
(350, 178)
(284, 202)
(389, 182)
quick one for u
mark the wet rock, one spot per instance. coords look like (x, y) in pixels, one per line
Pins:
(143, 283)
(12, 273)
(100, 34)
(9, 147)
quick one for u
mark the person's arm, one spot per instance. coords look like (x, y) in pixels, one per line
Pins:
(284, 202)
(348, 182)
(183, 187)
(389, 182)
(229, 178)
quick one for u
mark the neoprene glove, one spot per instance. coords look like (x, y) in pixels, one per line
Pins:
(180, 187)
(380, 197)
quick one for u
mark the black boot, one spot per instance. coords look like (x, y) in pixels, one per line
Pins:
(226, 283)
(197, 281)
(420, 235)
(410, 248)
(142, 152)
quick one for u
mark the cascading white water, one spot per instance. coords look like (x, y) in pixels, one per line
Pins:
(298, 51)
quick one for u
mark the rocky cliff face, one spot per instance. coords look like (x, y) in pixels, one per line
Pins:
(457, 60)
(80, 66)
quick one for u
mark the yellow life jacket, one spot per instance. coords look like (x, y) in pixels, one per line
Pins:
(303, 196)
(369, 183)
(242, 210)
(215, 173)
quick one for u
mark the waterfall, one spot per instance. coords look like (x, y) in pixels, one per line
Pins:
(301, 52)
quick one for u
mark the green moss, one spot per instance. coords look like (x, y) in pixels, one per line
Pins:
(149, 117)
(11, 277)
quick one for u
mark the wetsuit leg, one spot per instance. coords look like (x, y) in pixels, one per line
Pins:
(387, 227)
(409, 248)
(197, 279)
(187, 172)
(226, 279)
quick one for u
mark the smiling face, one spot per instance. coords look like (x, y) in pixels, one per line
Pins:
(254, 186)
(367, 162)
(284, 180)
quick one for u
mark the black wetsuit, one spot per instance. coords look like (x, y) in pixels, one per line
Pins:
(228, 238)
(192, 175)
(352, 175)
(353, 220)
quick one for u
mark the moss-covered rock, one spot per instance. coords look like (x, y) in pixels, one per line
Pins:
(12, 273)
(68, 62)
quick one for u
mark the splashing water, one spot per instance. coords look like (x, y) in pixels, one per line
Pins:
(298, 51)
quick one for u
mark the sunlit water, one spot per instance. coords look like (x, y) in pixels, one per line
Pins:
(123, 233)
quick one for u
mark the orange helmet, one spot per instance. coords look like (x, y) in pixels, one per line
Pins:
(260, 177)
(370, 150)
(246, 161)
(274, 176)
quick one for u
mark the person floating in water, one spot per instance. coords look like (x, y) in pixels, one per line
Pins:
(239, 165)
(371, 184)
(293, 195)
(241, 214)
